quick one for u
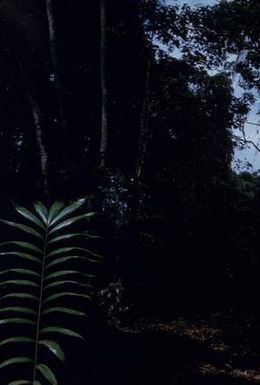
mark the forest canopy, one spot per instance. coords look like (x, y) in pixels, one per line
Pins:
(121, 120)
(132, 104)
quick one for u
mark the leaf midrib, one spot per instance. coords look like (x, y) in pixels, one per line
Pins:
(37, 336)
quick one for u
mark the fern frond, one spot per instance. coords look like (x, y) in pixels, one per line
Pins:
(34, 290)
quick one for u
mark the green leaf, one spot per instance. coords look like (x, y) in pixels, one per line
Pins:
(37, 383)
(91, 236)
(21, 296)
(20, 382)
(68, 210)
(64, 310)
(60, 283)
(24, 228)
(54, 348)
(16, 340)
(61, 273)
(16, 321)
(22, 255)
(30, 216)
(42, 211)
(93, 254)
(66, 294)
(63, 250)
(18, 309)
(21, 271)
(65, 237)
(15, 360)
(55, 210)
(70, 258)
(47, 373)
(66, 332)
(24, 245)
(64, 259)
(69, 249)
(69, 222)
(19, 282)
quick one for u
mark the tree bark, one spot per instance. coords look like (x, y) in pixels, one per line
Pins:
(37, 121)
(144, 125)
(103, 81)
(55, 76)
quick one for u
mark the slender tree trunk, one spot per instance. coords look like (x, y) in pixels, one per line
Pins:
(144, 125)
(55, 76)
(37, 121)
(103, 81)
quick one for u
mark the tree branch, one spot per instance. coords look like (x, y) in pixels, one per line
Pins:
(248, 141)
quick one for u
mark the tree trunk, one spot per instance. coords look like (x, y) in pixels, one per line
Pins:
(55, 76)
(37, 121)
(144, 125)
(103, 81)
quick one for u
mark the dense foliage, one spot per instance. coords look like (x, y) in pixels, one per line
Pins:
(180, 227)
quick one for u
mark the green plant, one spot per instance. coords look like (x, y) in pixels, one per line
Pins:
(48, 268)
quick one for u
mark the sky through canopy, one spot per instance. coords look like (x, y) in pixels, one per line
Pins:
(248, 154)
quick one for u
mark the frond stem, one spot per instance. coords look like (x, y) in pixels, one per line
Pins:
(35, 360)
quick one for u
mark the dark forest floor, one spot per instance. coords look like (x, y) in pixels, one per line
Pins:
(220, 349)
